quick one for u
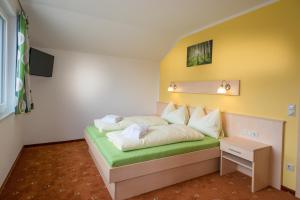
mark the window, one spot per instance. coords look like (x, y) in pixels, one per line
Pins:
(3, 71)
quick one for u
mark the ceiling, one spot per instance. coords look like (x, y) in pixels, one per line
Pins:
(144, 29)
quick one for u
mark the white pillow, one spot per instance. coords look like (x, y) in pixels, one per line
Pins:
(169, 108)
(209, 124)
(177, 116)
(197, 114)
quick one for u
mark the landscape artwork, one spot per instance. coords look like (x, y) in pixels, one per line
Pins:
(199, 54)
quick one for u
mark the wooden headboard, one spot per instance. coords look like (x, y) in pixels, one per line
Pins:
(268, 131)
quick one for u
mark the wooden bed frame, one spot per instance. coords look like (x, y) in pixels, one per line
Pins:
(131, 180)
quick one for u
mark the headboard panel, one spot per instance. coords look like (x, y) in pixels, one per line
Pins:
(268, 131)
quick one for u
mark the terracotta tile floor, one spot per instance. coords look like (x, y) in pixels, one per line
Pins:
(66, 171)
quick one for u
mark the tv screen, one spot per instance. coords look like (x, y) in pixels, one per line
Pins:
(41, 64)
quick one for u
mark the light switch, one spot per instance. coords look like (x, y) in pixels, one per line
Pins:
(292, 110)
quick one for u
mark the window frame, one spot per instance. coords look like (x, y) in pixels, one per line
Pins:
(4, 73)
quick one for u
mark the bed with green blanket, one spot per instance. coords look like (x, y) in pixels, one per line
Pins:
(130, 173)
(116, 157)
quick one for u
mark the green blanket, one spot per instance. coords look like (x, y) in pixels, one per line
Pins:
(117, 158)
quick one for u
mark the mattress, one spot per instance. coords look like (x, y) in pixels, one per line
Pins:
(117, 158)
(94, 133)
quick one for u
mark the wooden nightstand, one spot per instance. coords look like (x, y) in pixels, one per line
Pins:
(247, 156)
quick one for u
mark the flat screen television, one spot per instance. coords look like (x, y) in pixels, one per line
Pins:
(41, 63)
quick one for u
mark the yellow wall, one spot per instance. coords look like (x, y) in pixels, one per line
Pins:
(262, 49)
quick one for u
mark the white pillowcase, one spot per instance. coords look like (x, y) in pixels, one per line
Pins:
(169, 108)
(209, 124)
(197, 114)
(176, 116)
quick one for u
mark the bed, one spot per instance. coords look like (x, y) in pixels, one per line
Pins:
(125, 173)
(125, 176)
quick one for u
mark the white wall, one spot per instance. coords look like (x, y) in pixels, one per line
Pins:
(10, 145)
(84, 87)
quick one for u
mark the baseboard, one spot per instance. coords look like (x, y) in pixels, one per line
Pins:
(51, 143)
(11, 170)
(286, 189)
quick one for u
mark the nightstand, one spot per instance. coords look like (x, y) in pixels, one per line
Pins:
(247, 156)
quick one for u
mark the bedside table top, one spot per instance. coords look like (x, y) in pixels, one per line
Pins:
(244, 143)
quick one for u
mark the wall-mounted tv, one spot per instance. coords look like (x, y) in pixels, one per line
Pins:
(41, 63)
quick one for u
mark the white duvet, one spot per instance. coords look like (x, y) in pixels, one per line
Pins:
(127, 121)
(156, 136)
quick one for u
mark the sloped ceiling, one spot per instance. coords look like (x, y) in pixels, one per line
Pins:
(144, 29)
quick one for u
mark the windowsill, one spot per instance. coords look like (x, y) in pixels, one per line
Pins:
(5, 115)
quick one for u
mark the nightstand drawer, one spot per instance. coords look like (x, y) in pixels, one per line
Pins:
(234, 150)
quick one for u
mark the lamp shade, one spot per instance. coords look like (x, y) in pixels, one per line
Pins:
(170, 89)
(221, 90)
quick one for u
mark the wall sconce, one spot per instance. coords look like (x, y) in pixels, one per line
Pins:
(172, 87)
(224, 87)
(228, 87)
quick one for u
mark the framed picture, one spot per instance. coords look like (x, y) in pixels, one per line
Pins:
(199, 54)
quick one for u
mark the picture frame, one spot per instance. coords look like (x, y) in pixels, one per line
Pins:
(199, 54)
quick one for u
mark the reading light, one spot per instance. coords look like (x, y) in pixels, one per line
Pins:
(172, 87)
(224, 87)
